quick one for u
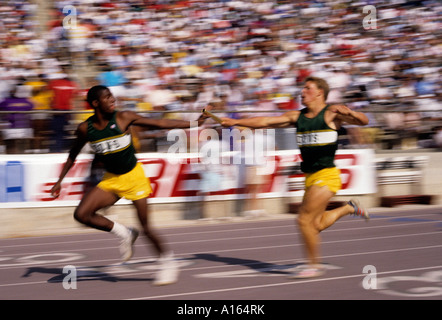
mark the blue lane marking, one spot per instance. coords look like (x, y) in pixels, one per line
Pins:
(411, 220)
(405, 219)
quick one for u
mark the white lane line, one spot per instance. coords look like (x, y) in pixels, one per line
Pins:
(290, 283)
(211, 232)
(136, 272)
(237, 249)
(226, 231)
(227, 266)
(342, 255)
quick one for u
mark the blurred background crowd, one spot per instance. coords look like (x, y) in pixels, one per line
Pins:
(243, 57)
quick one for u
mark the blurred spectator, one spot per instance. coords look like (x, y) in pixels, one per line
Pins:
(215, 176)
(244, 46)
(161, 97)
(264, 103)
(437, 137)
(412, 124)
(406, 90)
(424, 86)
(14, 103)
(206, 94)
(41, 97)
(253, 150)
(113, 79)
(18, 129)
(130, 96)
(64, 92)
(430, 107)
(78, 40)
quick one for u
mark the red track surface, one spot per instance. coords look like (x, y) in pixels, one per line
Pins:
(247, 260)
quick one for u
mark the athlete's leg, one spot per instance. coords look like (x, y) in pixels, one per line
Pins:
(143, 216)
(168, 268)
(313, 206)
(85, 213)
(331, 216)
(93, 201)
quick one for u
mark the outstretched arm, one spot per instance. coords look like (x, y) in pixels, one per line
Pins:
(281, 121)
(132, 118)
(79, 143)
(161, 123)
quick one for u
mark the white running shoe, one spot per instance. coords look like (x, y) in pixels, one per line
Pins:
(168, 273)
(359, 210)
(307, 271)
(126, 244)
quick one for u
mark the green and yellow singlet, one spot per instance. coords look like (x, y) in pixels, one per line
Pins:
(317, 142)
(112, 147)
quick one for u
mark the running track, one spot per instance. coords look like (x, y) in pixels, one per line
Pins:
(241, 260)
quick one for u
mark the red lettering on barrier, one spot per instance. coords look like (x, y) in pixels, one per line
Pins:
(268, 186)
(169, 179)
(46, 189)
(347, 157)
(68, 190)
(181, 178)
(349, 173)
(80, 169)
(79, 192)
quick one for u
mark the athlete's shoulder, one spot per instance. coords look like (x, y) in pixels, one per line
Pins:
(125, 119)
(127, 115)
(82, 129)
(331, 116)
(83, 125)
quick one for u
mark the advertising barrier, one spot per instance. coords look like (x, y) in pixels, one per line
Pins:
(26, 180)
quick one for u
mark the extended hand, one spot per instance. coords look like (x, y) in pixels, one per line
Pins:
(341, 109)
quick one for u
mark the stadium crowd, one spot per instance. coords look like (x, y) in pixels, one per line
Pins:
(382, 55)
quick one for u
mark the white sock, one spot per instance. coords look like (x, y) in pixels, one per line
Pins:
(167, 256)
(120, 230)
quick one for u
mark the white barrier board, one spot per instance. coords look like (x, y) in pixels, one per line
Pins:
(26, 180)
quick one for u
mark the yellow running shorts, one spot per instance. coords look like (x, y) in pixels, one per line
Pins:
(329, 177)
(133, 185)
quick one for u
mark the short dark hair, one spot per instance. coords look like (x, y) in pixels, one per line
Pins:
(94, 94)
(321, 84)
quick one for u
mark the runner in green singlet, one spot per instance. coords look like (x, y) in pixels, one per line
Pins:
(317, 136)
(108, 133)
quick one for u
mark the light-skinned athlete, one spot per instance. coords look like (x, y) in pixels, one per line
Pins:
(317, 138)
(108, 134)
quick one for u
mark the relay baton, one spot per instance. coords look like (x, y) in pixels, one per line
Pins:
(210, 114)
